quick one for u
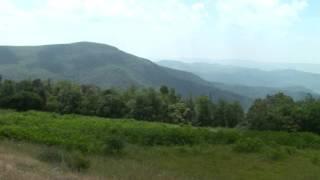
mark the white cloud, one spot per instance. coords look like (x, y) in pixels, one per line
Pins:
(162, 14)
(198, 6)
(158, 28)
(165, 11)
(259, 14)
(90, 7)
(143, 27)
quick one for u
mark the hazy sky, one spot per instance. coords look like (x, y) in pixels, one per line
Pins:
(259, 30)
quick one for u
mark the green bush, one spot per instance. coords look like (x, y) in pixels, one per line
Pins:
(77, 162)
(163, 135)
(300, 140)
(224, 136)
(248, 145)
(114, 145)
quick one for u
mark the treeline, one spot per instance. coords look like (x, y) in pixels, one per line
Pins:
(278, 112)
(281, 113)
(148, 104)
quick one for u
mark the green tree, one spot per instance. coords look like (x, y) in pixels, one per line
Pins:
(190, 114)
(147, 105)
(111, 105)
(203, 109)
(68, 97)
(164, 90)
(308, 115)
(178, 113)
(24, 100)
(236, 114)
(8, 88)
(228, 114)
(275, 112)
(91, 96)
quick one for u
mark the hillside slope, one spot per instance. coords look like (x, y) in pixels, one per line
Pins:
(155, 151)
(103, 65)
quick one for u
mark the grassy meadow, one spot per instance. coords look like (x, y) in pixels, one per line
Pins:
(38, 145)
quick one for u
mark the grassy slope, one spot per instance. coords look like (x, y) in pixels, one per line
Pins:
(210, 157)
(19, 161)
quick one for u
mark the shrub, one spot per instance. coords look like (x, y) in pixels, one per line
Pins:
(51, 155)
(114, 145)
(77, 162)
(248, 145)
(74, 160)
(276, 154)
(315, 160)
(290, 150)
(177, 137)
(226, 137)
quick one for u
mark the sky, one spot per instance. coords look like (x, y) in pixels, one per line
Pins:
(258, 30)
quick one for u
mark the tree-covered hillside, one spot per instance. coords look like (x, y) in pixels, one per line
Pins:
(103, 65)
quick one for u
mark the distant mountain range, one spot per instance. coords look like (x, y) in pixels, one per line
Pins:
(252, 82)
(266, 66)
(103, 65)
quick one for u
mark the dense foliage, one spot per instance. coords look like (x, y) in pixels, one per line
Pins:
(277, 112)
(281, 112)
(149, 104)
(100, 135)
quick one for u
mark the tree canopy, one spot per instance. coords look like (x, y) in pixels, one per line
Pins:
(149, 104)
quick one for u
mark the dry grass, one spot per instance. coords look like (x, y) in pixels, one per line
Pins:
(15, 165)
(19, 161)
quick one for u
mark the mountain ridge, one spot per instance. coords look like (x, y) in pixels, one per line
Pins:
(252, 82)
(102, 65)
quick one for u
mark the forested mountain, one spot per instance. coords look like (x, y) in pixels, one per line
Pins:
(253, 82)
(103, 65)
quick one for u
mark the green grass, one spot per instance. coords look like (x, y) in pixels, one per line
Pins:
(89, 134)
(182, 162)
(162, 151)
